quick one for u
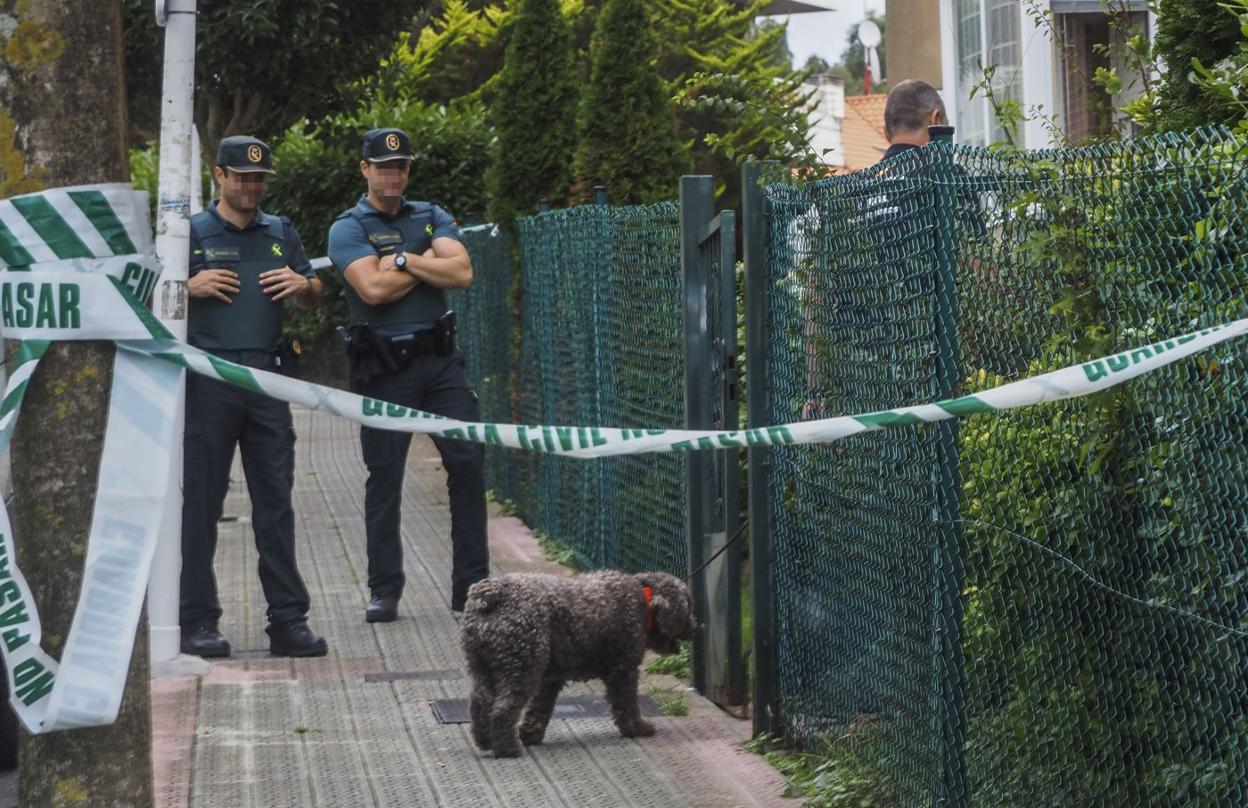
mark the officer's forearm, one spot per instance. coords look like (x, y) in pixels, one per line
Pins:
(382, 286)
(306, 298)
(375, 285)
(444, 273)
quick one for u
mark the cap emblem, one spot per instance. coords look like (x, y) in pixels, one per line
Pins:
(392, 142)
(254, 154)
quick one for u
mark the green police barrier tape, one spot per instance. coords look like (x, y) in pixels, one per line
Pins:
(600, 441)
(92, 297)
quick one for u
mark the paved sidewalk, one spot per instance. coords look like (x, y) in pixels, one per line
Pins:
(357, 728)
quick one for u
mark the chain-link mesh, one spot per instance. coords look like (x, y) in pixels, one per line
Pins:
(1100, 655)
(487, 331)
(600, 344)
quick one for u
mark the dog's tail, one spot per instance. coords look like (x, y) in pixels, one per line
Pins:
(485, 596)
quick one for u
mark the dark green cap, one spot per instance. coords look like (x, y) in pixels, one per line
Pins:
(246, 155)
(382, 145)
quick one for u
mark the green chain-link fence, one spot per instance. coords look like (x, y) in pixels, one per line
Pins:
(600, 342)
(487, 333)
(1058, 614)
(1044, 605)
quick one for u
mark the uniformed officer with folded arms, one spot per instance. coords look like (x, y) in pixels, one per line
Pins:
(245, 265)
(397, 257)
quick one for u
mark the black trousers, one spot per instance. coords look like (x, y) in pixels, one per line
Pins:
(437, 384)
(218, 417)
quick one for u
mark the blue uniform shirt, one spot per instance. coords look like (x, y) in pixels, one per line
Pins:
(364, 231)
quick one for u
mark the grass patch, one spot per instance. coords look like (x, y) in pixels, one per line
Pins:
(845, 772)
(670, 701)
(676, 664)
(556, 552)
(505, 506)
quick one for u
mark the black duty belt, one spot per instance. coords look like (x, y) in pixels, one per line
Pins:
(262, 360)
(406, 347)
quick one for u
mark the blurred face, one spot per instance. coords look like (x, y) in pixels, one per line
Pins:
(386, 180)
(241, 191)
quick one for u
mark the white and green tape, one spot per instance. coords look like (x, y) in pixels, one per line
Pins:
(75, 296)
(68, 256)
(586, 442)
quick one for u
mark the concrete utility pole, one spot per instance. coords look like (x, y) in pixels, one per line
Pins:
(63, 122)
(179, 163)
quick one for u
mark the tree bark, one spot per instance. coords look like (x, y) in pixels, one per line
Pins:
(63, 87)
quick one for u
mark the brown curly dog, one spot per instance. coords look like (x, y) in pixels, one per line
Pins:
(525, 636)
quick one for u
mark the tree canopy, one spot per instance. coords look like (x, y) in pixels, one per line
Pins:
(534, 113)
(627, 130)
(1204, 31)
(261, 65)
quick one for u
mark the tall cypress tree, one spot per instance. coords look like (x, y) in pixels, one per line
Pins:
(534, 114)
(725, 38)
(627, 129)
(1188, 29)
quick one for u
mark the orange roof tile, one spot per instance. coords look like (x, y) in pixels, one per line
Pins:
(862, 134)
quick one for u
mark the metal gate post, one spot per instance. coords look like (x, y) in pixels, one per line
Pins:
(764, 652)
(697, 200)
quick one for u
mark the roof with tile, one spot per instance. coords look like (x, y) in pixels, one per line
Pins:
(862, 134)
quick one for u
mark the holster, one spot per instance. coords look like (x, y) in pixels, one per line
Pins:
(368, 354)
(444, 333)
(288, 350)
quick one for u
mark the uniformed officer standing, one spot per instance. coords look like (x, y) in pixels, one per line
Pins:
(245, 264)
(397, 258)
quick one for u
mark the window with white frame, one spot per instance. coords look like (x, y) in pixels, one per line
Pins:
(987, 37)
(1095, 37)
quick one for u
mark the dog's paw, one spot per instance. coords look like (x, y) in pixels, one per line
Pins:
(532, 736)
(482, 742)
(639, 729)
(509, 750)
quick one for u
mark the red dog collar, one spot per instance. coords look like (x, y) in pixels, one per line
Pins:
(645, 591)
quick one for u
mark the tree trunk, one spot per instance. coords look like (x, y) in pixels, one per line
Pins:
(63, 86)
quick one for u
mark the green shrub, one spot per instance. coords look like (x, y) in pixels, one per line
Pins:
(533, 113)
(627, 129)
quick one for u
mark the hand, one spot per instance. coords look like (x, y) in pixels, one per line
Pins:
(386, 263)
(283, 282)
(218, 283)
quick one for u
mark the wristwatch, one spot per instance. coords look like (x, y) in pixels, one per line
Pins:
(400, 260)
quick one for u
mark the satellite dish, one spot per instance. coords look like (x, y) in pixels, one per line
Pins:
(869, 34)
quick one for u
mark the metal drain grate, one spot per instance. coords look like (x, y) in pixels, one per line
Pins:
(422, 676)
(455, 711)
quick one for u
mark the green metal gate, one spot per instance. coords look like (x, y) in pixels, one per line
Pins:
(708, 261)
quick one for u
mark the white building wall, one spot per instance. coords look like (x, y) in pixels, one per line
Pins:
(1040, 76)
(948, 62)
(826, 113)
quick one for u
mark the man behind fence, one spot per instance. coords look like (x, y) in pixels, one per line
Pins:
(245, 264)
(911, 107)
(397, 257)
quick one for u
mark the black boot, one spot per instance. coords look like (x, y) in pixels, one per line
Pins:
(382, 609)
(295, 639)
(205, 641)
